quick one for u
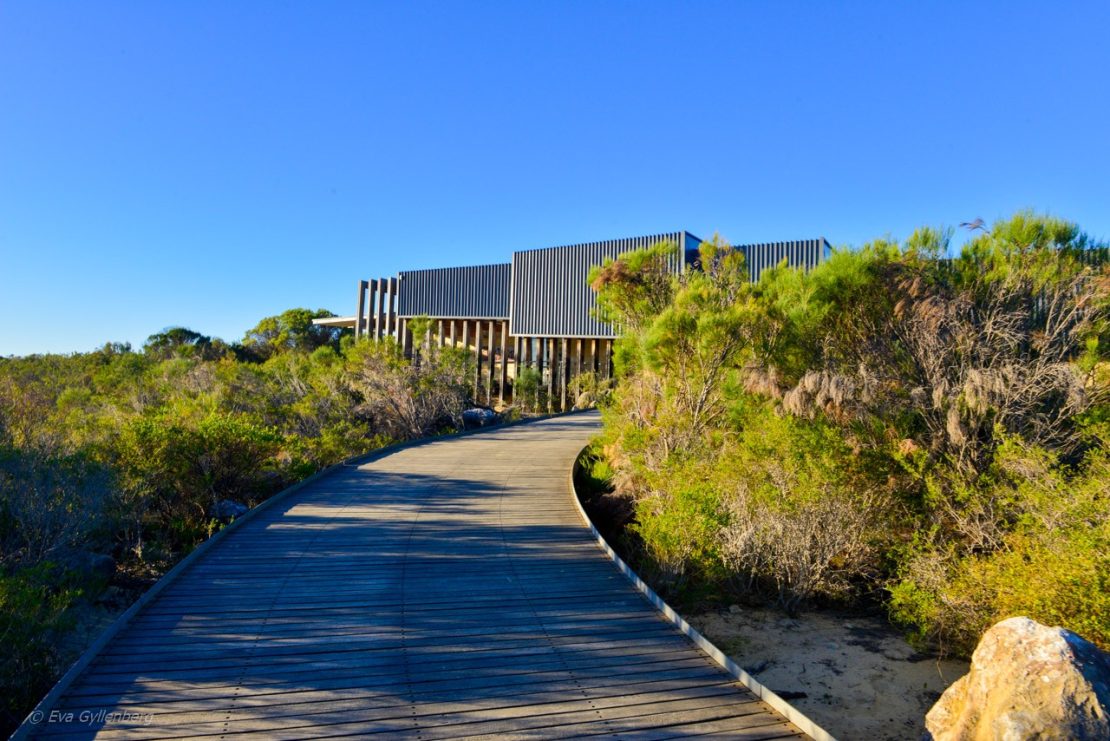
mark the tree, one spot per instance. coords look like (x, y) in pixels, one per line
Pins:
(183, 342)
(633, 288)
(291, 331)
(959, 351)
(683, 338)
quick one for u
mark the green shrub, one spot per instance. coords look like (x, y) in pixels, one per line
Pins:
(50, 502)
(33, 605)
(406, 398)
(889, 420)
(529, 391)
(804, 515)
(680, 529)
(1049, 555)
(175, 470)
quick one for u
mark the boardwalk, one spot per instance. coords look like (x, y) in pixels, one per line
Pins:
(448, 590)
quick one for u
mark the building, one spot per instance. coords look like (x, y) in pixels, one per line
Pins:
(535, 311)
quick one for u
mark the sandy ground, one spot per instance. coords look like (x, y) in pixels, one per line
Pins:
(854, 676)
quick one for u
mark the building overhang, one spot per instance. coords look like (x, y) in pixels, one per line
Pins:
(335, 321)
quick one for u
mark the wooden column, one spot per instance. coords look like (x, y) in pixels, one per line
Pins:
(391, 308)
(371, 303)
(453, 335)
(442, 334)
(582, 366)
(593, 357)
(504, 379)
(564, 373)
(556, 362)
(535, 356)
(490, 363)
(477, 360)
(361, 308)
(579, 360)
(371, 308)
(518, 357)
(379, 306)
(549, 350)
(403, 338)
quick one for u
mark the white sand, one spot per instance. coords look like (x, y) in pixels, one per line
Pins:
(860, 678)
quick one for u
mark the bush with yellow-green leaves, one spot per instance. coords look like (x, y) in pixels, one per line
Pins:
(893, 425)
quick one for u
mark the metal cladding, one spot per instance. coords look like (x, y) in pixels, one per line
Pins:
(479, 292)
(550, 295)
(543, 293)
(806, 253)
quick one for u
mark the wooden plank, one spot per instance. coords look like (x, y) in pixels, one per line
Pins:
(447, 590)
(462, 706)
(338, 688)
(325, 675)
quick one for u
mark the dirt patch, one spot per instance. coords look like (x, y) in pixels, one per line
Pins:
(853, 675)
(91, 618)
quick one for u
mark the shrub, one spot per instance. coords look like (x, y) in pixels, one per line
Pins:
(175, 470)
(409, 398)
(1048, 556)
(946, 424)
(680, 528)
(589, 389)
(49, 502)
(528, 390)
(33, 604)
(803, 515)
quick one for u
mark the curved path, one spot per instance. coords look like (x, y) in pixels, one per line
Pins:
(446, 590)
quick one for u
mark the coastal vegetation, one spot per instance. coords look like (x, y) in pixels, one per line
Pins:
(896, 428)
(116, 463)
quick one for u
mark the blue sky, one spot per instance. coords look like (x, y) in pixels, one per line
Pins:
(209, 163)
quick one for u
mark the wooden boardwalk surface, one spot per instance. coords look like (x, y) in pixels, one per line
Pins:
(447, 590)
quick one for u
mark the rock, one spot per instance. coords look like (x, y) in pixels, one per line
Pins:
(479, 417)
(734, 609)
(229, 509)
(585, 400)
(1027, 681)
(96, 565)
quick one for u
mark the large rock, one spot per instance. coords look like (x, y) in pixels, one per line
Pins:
(95, 565)
(479, 417)
(229, 509)
(1027, 681)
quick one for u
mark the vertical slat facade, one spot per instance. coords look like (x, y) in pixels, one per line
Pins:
(478, 292)
(537, 310)
(806, 253)
(550, 295)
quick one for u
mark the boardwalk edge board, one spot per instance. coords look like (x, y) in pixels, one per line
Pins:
(46, 704)
(791, 713)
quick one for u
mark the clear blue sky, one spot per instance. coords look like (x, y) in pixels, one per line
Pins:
(209, 163)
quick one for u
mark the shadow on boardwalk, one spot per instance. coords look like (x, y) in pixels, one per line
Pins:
(446, 590)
